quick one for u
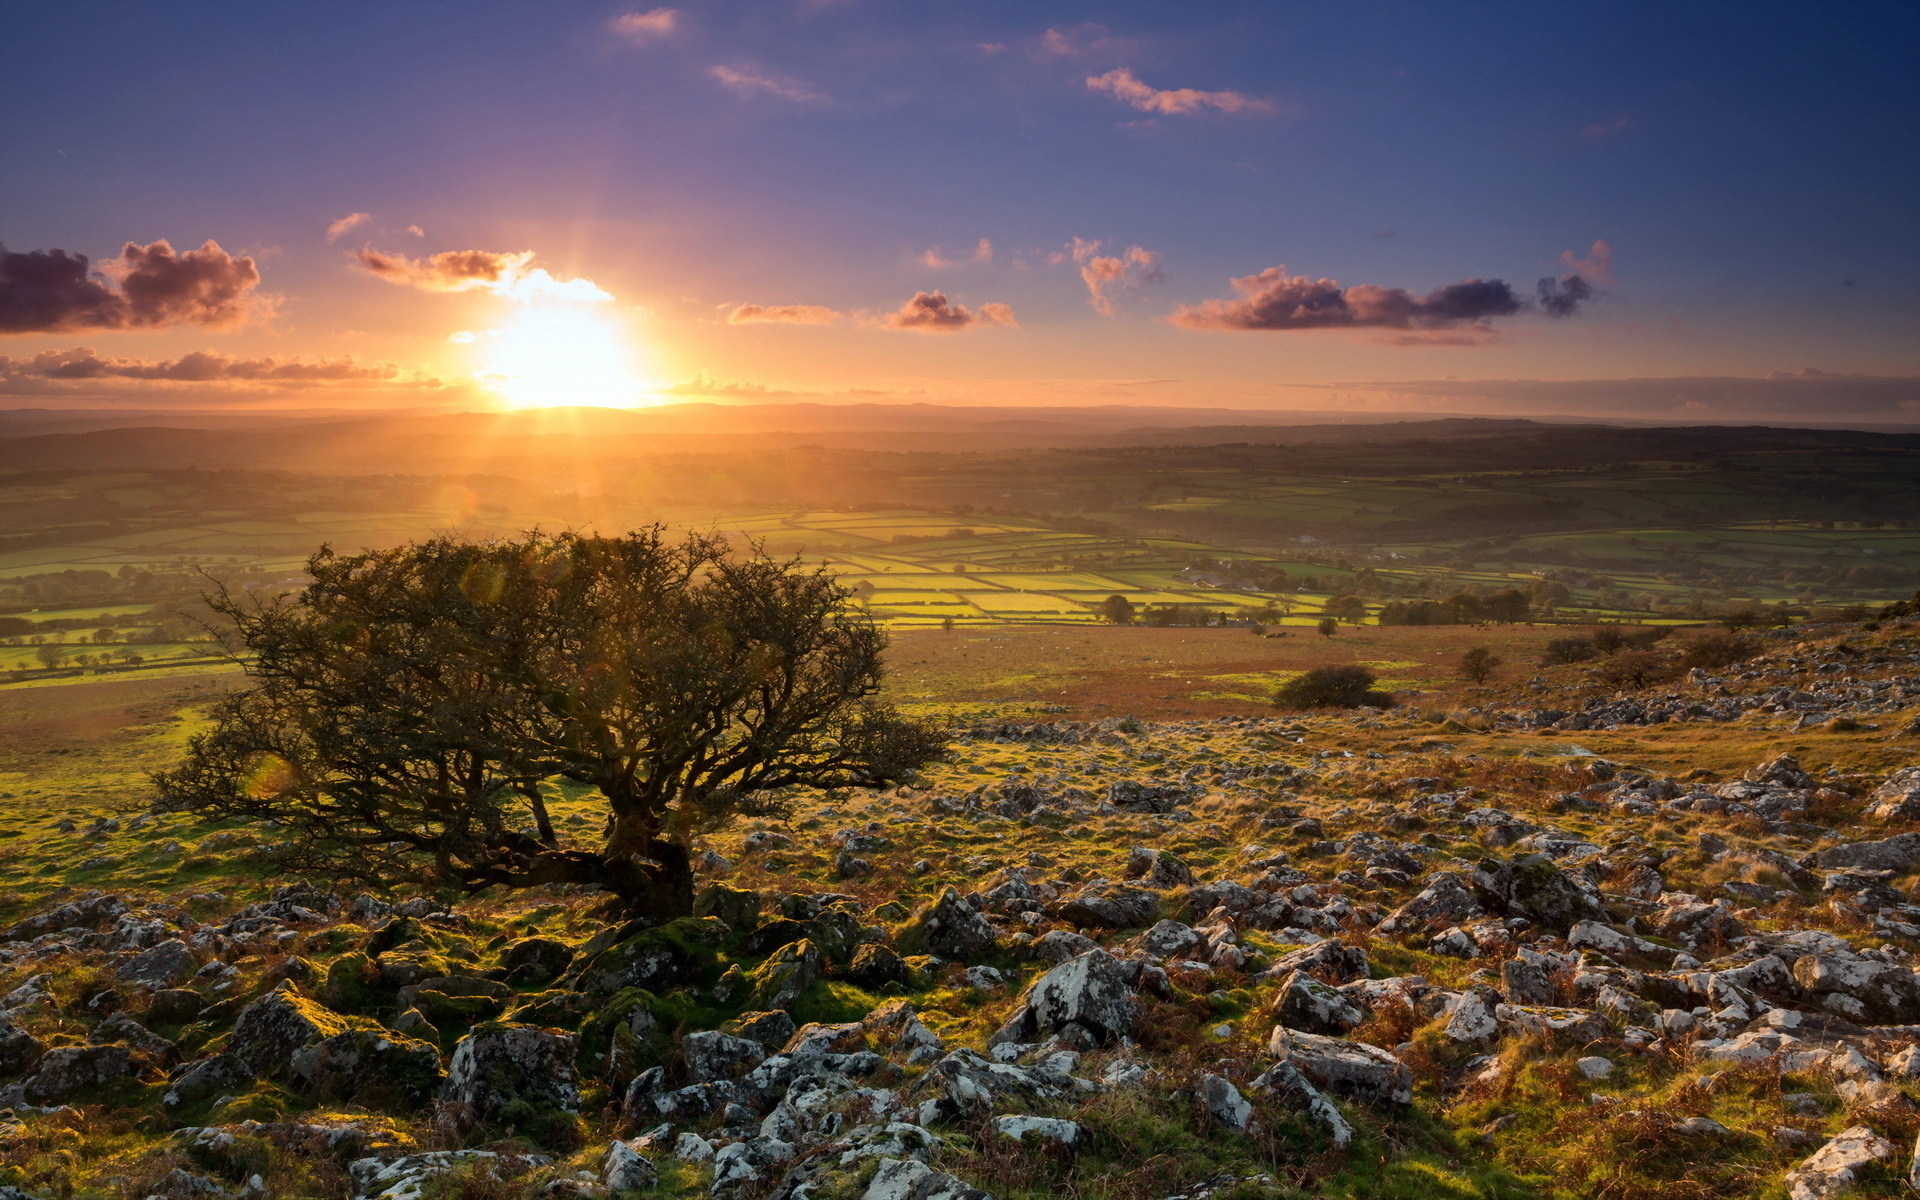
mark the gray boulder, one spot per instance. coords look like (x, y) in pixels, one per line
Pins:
(1534, 889)
(271, 1028)
(66, 1070)
(1169, 939)
(1351, 1069)
(1112, 906)
(501, 1066)
(162, 966)
(907, 1179)
(953, 930)
(369, 1066)
(1088, 998)
(1224, 1103)
(712, 1055)
(207, 1079)
(1833, 1169)
(1058, 945)
(1899, 853)
(1305, 1003)
(1445, 901)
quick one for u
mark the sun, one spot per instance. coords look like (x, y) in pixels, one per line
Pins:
(559, 355)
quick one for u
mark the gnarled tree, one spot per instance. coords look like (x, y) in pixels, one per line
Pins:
(411, 702)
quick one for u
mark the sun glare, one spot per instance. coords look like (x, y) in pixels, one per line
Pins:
(555, 356)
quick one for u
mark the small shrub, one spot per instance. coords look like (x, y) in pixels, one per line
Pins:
(1478, 664)
(1633, 669)
(1561, 651)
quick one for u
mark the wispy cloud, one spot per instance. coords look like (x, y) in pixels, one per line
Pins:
(932, 312)
(145, 287)
(1276, 301)
(933, 257)
(1081, 41)
(511, 275)
(1606, 129)
(1122, 85)
(339, 228)
(752, 81)
(1105, 273)
(57, 371)
(782, 314)
(643, 27)
(1597, 265)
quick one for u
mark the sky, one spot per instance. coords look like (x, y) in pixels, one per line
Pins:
(1659, 209)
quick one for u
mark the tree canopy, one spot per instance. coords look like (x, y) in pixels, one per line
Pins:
(409, 704)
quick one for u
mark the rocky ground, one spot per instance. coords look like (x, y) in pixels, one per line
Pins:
(1438, 951)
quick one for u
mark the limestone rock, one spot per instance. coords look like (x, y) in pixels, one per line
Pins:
(1091, 995)
(370, 1066)
(1040, 1129)
(1534, 889)
(1832, 1169)
(1445, 901)
(953, 930)
(1305, 1003)
(1224, 1103)
(535, 961)
(906, 1179)
(1351, 1069)
(624, 1169)
(779, 981)
(162, 966)
(66, 1070)
(271, 1028)
(738, 907)
(500, 1066)
(714, 1055)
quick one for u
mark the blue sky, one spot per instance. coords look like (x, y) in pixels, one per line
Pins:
(1752, 169)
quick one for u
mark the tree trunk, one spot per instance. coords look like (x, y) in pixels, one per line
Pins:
(661, 889)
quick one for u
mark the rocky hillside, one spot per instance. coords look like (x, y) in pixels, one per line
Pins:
(1418, 953)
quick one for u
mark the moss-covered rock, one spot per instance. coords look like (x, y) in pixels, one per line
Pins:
(781, 980)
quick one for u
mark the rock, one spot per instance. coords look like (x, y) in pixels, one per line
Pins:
(1898, 799)
(174, 1006)
(124, 1030)
(714, 1055)
(369, 1066)
(181, 1184)
(1899, 853)
(1860, 989)
(656, 960)
(1112, 906)
(1530, 977)
(271, 1028)
(1699, 926)
(1535, 890)
(1091, 995)
(406, 1178)
(19, 1050)
(1305, 1003)
(738, 907)
(1040, 1129)
(1169, 939)
(1157, 868)
(1224, 1103)
(1473, 1016)
(906, 1179)
(737, 1167)
(1351, 1069)
(770, 1029)
(1593, 1067)
(876, 966)
(1446, 900)
(1564, 1028)
(1058, 945)
(162, 966)
(207, 1079)
(503, 1068)
(971, 1083)
(1284, 1079)
(535, 961)
(837, 933)
(1831, 1170)
(781, 980)
(1781, 771)
(66, 1070)
(953, 930)
(624, 1169)
(1330, 961)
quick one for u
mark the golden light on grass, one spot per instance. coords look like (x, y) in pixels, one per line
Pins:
(560, 355)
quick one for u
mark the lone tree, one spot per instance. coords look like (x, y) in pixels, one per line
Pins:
(1349, 608)
(1347, 686)
(1327, 626)
(1478, 664)
(1116, 610)
(410, 702)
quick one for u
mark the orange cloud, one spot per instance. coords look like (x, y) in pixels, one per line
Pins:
(643, 27)
(52, 372)
(782, 314)
(1275, 300)
(1102, 272)
(932, 312)
(1597, 265)
(335, 230)
(511, 275)
(1122, 85)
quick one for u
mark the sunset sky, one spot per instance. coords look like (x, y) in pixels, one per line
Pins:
(485, 204)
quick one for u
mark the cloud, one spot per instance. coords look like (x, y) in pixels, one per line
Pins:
(339, 228)
(932, 257)
(1596, 266)
(416, 231)
(1606, 129)
(1079, 41)
(511, 275)
(1563, 297)
(1274, 300)
(1105, 272)
(751, 81)
(643, 27)
(1121, 84)
(782, 314)
(56, 372)
(461, 337)
(146, 287)
(932, 312)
